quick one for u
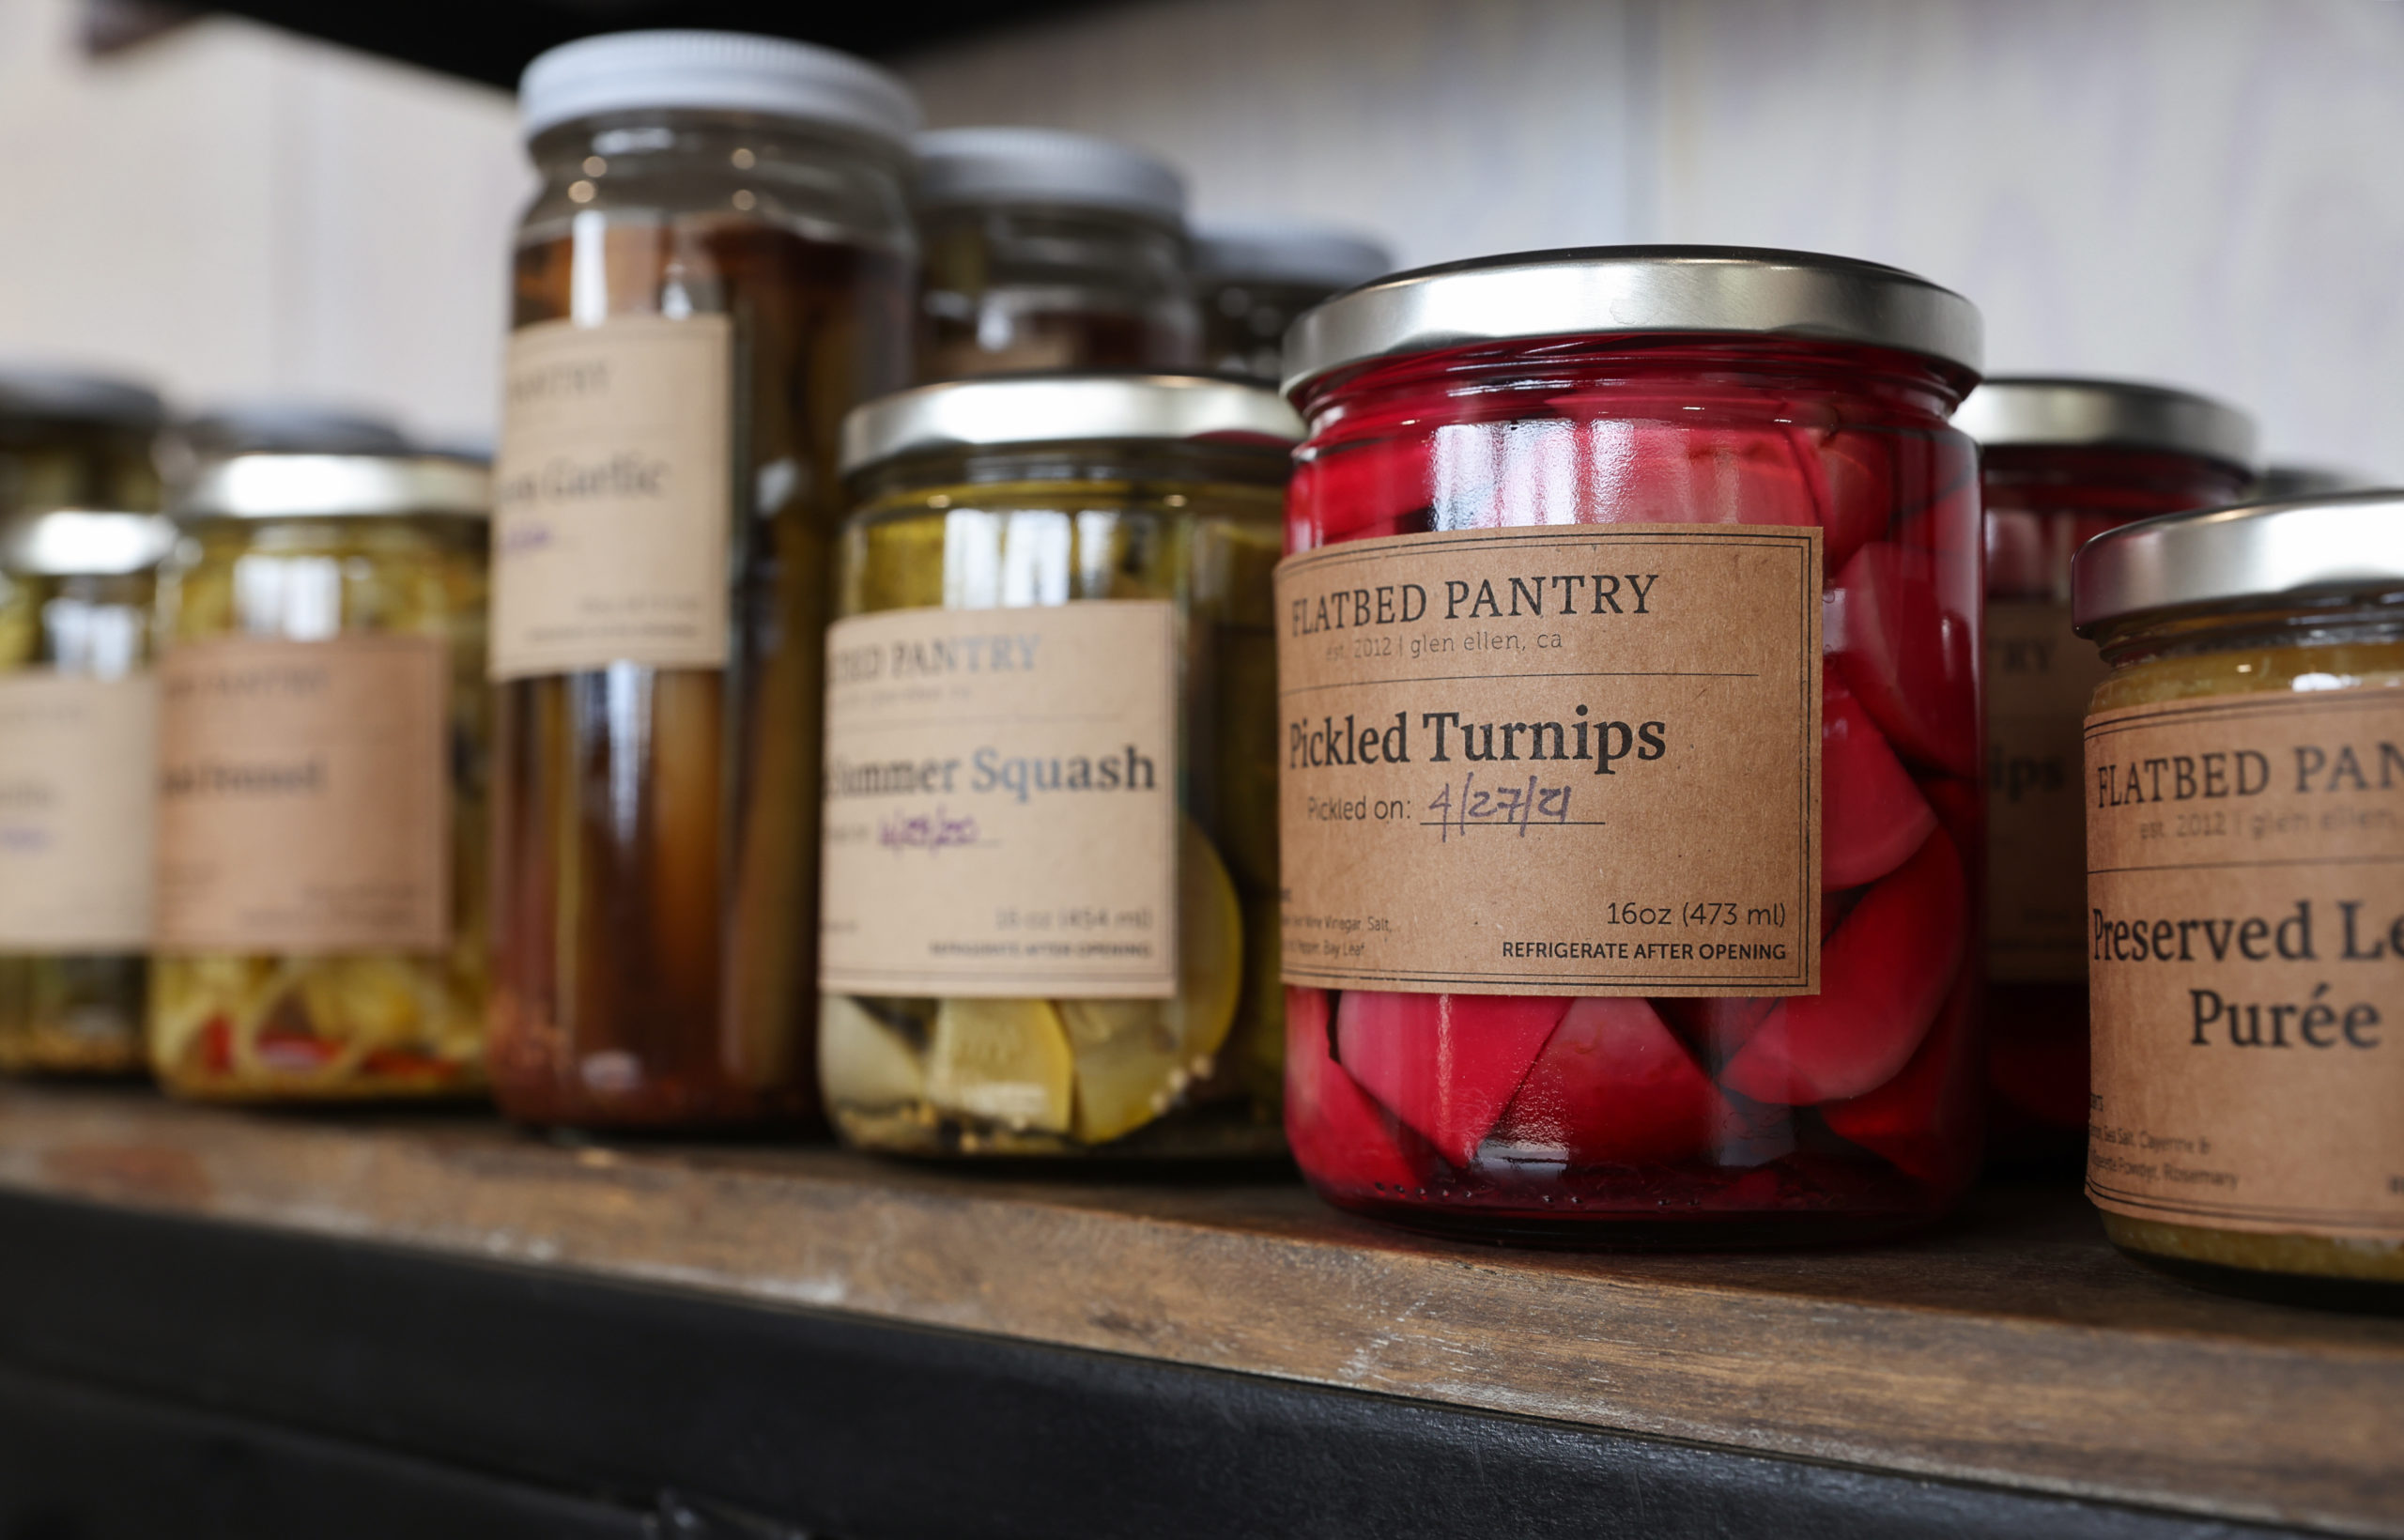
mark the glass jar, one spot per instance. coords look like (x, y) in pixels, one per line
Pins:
(1050, 250)
(1051, 860)
(2244, 789)
(1256, 277)
(2062, 460)
(1630, 814)
(323, 727)
(78, 746)
(719, 264)
(76, 441)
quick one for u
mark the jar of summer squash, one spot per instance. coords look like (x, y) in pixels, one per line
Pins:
(2244, 790)
(322, 737)
(78, 746)
(1629, 660)
(1255, 276)
(2062, 460)
(1050, 861)
(1050, 249)
(719, 264)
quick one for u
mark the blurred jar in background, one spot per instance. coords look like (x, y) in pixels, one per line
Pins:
(80, 534)
(1050, 250)
(1255, 277)
(718, 265)
(322, 737)
(275, 428)
(2062, 461)
(1051, 920)
(71, 441)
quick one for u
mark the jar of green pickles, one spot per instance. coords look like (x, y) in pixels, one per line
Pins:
(78, 736)
(1049, 906)
(2244, 926)
(323, 718)
(79, 536)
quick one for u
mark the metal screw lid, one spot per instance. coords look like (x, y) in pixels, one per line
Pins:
(1286, 251)
(998, 411)
(727, 71)
(337, 486)
(2071, 411)
(61, 395)
(1600, 290)
(2259, 551)
(1007, 165)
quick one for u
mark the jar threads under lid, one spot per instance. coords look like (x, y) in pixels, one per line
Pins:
(2068, 411)
(1602, 290)
(2252, 552)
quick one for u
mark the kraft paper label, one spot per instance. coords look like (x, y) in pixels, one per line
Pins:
(1001, 793)
(78, 764)
(305, 796)
(1552, 761)
(2245, 951)
(2039, 677)
(611, 497)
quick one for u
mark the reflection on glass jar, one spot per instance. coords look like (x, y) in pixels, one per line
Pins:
(718, 265)
(1255, 276)
(79, 492)
(2062, 460)
(2245, 895)
(1048, 250)
(1051, 868)
(1571, 956)
(322, 742)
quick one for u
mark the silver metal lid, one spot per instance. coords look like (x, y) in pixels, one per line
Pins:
(61, 395)
(1598, 290)
(290, 427)
(1286, 251)
(2257, 550)
(733, 72)
(996, 410)
(2027, 410)
(85, 543)
(337, 486)
(1046, 166)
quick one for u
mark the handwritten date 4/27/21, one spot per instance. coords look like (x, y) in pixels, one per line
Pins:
(1515, 805)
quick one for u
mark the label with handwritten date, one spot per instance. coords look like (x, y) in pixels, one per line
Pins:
(1563, 760)
(1001, 802)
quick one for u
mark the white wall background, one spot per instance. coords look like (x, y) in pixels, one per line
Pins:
(2204, 191)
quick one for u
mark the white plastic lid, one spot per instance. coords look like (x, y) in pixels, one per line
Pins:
(1045, 165)
(733, 72)
(1279, 252)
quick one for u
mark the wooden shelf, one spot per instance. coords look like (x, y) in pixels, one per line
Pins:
(2009, 1349)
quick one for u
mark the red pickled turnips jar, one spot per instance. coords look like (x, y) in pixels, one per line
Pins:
(2062, 461)
(1629, 672)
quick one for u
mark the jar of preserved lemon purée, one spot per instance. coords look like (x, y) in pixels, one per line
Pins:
(1049, 909)
(2244, 928)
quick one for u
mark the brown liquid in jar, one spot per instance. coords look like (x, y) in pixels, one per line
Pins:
(656, 830)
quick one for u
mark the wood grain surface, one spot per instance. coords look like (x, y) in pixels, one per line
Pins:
(2011, 1346)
